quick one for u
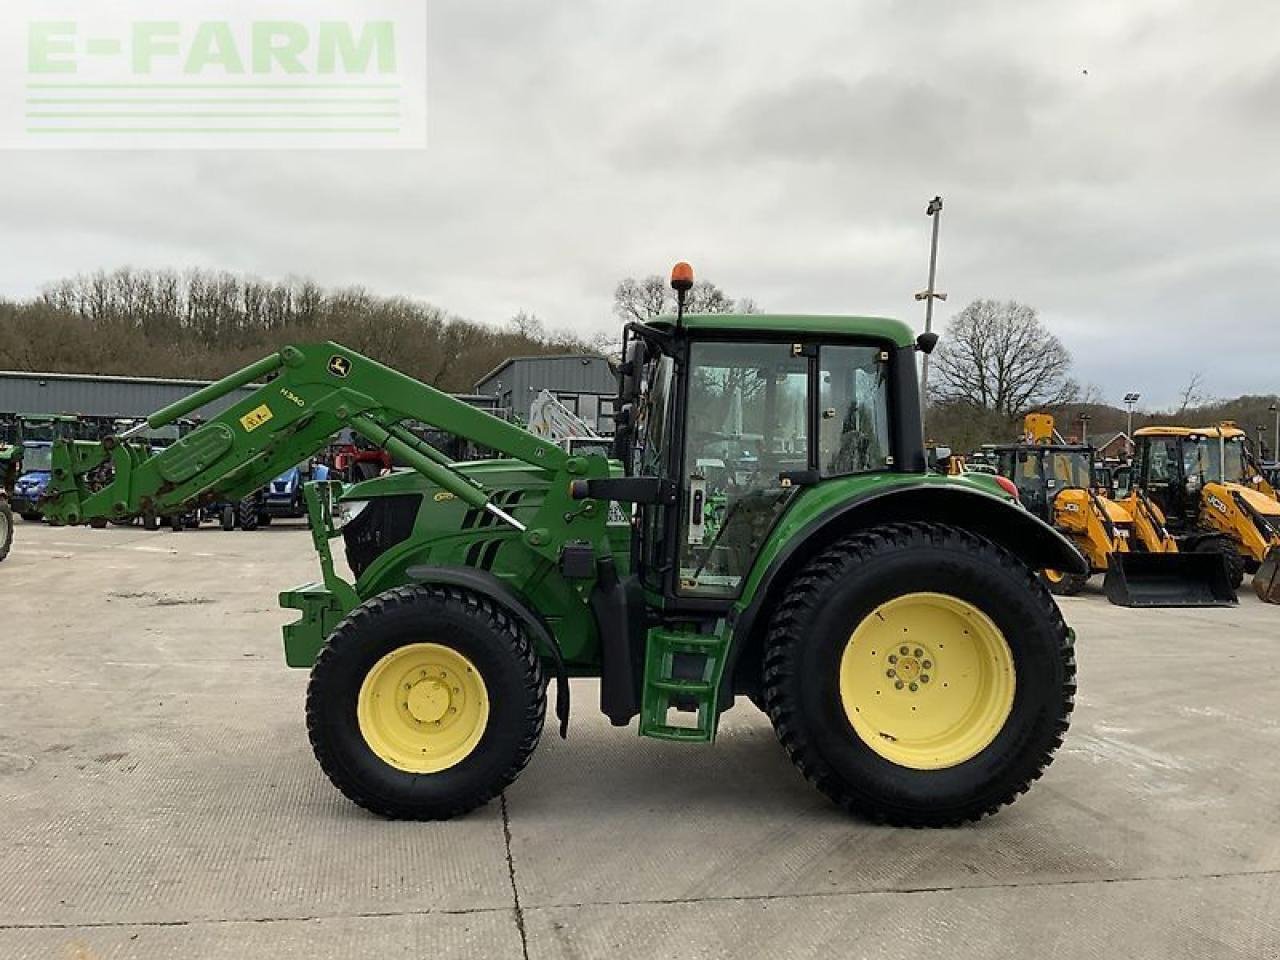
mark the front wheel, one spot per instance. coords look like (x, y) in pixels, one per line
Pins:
(425, 703)
(1062, 584)
(1234, 562)
(919, 675)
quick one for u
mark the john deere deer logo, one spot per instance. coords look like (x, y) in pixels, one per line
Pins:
(339, 366)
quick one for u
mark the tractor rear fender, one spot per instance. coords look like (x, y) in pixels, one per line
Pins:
(489, 585)
(1001, 521)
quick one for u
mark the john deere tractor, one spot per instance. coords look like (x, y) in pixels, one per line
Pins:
(779, 541)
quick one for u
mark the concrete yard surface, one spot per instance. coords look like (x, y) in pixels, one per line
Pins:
(158, 798)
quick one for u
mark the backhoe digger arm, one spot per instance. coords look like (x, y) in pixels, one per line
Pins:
(316, 390)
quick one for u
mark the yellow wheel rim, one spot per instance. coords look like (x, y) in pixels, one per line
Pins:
(1053, 576)
(927, 681)
(423, 708)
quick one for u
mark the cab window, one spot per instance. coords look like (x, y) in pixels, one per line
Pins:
(853, 414)
(747, 425)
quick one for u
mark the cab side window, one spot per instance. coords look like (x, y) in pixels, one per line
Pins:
(853, 410)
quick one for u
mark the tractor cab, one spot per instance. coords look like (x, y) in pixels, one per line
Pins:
(734, 417)
(1042, 471)
(1176, 464)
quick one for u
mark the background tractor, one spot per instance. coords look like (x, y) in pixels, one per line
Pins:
(1128, 541)
(785, 544)
(1215, 498)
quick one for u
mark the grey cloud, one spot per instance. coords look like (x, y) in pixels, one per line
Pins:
(787, 152)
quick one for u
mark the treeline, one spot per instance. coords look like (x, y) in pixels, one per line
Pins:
(204, 325)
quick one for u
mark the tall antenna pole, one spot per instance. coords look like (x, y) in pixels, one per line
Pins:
(934, 210)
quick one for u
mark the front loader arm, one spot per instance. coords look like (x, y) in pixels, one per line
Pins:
(314, 392)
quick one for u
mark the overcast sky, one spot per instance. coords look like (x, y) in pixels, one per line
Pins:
(788, 151)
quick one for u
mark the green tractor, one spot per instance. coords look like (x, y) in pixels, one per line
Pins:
(765, 531)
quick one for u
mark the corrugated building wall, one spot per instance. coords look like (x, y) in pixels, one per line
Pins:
(93, 395)
(585, 384)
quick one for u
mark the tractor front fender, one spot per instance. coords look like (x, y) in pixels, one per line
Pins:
(959, 505)
(489, 585)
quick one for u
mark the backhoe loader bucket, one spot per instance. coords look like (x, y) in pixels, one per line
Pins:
(1266, 582)
(1168, 580)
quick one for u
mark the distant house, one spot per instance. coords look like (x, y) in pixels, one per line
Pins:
(1111, 446)
(584, 383)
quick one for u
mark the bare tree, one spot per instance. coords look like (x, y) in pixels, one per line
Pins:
(1192, 394)
(997, 355)
(644, 299)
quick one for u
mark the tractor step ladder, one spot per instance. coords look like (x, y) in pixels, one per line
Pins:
(682, 673)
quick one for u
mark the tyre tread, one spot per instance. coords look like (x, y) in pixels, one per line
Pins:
(349, 634)
(785, 636)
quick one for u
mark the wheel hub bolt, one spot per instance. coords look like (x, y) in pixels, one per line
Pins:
(891, 673)
(914, 688)
(898, 685)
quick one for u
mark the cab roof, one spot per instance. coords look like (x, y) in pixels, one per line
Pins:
(879, 328)
(1225, 432)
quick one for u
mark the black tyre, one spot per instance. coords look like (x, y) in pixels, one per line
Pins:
(228, 517)
(248, 513)
(1226, 547)
(176, 524)
(1063, 584)
(150, 521)
(264, 519)
(474, 700)
(98, 523)
(958, 725)
(32, 516)
(6, 527)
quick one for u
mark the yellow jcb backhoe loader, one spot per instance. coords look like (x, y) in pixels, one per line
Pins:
(1127, 542)
(1214, 498)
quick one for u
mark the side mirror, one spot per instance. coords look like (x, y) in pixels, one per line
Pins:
(632, 371)
(926, 342)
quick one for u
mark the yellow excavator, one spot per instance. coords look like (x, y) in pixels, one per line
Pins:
(1127, 540)
(1216, 499)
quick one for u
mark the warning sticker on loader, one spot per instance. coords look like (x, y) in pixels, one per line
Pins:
(255, 418)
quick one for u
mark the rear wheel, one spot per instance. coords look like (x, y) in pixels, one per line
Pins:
(248, 513)
(1226, 547)
(425, 703)
(6, 528)
(1063, 584)
(228, 517)
(919, 675)
(32, 516)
